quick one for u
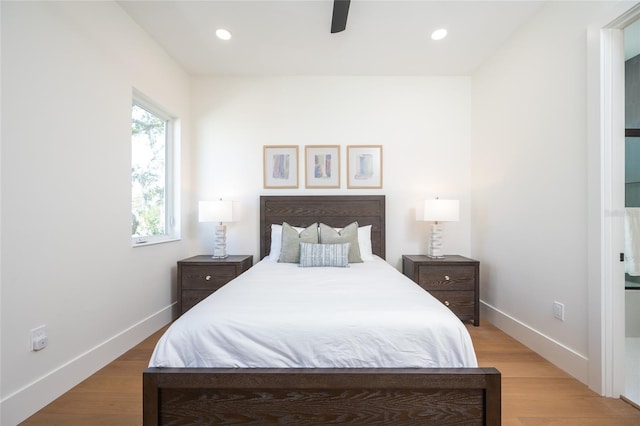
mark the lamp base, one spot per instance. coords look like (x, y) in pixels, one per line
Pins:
(220, 244)
(435, 242)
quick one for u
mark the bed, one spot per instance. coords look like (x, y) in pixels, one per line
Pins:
(273, 390)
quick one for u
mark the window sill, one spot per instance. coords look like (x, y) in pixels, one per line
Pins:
(151, 242)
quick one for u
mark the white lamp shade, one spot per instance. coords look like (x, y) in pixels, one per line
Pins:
(440, 211)
(215, 211)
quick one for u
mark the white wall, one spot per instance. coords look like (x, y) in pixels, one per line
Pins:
(67, 75)
(422, 123)
(530, 192)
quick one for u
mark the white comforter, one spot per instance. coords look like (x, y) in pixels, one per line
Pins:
(279, 315)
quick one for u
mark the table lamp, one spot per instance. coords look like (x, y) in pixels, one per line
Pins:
(438, 211)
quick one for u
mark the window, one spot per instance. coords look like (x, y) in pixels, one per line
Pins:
(152, 180)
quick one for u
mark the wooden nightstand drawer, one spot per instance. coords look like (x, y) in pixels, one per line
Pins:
(209, 277)
(454, 280)
(200, 276)
(462, 303)
(193, 297)
(446, 277)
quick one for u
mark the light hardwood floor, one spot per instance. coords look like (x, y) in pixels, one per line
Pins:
(534, 392)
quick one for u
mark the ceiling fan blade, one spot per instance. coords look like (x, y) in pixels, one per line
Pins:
(340, 12)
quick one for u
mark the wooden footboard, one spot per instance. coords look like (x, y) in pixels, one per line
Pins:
(177, 396)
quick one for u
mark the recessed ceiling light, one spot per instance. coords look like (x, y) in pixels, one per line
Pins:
(439, 34)
(223, 34)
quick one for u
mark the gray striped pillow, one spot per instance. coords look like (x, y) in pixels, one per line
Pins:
(324, 255)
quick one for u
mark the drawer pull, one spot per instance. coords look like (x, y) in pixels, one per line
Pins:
(446, 277)
(208, 277)
(446, 303)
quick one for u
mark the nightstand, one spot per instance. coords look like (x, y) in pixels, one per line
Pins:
(199, 276)
(453, 280)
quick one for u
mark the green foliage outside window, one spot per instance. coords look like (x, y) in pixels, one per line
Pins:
(148, 173)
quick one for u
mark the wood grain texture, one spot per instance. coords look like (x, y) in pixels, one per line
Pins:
(320, 407)
(199, 276)
(322, 396)
(453, 280)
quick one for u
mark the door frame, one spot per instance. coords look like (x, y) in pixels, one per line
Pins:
(605, 292)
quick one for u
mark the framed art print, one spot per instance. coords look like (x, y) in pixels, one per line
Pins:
(280, 166)
(364, 166)
(322, 166)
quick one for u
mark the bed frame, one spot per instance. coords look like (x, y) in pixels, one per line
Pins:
(315, 396)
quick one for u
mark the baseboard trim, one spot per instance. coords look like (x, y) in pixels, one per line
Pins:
(555, 352)
(25, 402)
(630, 402)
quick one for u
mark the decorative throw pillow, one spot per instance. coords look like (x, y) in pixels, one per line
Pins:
(348, 234)
(291, 239)
(276, 241)
(336, 255)
(364, 242)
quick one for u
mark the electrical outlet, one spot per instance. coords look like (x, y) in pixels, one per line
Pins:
(39, 338)
(558, 310)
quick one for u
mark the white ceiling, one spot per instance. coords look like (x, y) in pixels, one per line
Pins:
(383, 37)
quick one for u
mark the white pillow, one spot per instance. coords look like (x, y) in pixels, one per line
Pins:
(276, 242)
(364, 241)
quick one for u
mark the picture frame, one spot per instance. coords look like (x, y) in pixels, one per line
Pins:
(280, 166)
(364, 166)
(322, 166)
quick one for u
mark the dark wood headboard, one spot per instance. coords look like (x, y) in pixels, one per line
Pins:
(333, 210)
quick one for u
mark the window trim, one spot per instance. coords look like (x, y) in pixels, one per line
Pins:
(172, 223)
